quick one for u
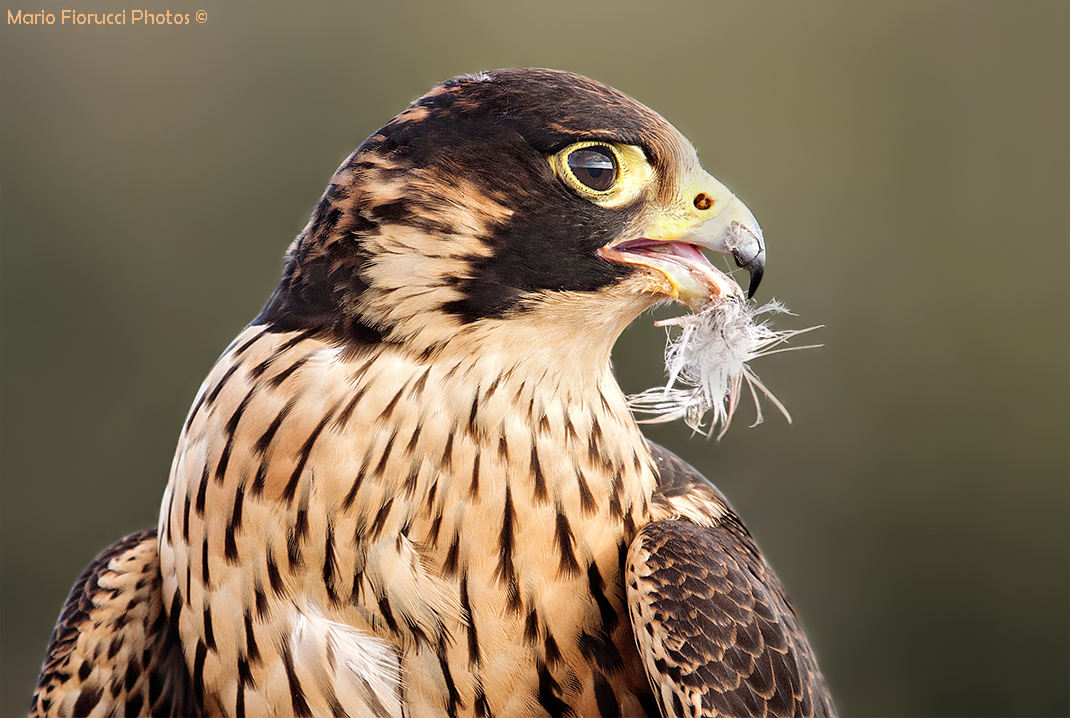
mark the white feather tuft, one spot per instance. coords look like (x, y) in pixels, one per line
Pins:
(709, 357)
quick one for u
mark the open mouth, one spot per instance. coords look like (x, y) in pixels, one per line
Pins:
(691, 276)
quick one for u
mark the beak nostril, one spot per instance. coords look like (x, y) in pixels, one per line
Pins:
(703, 201)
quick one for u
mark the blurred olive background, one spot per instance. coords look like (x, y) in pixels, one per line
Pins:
(909, 162)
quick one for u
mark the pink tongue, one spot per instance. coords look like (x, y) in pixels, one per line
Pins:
(716, 282)
(684, 253)
(689, 252)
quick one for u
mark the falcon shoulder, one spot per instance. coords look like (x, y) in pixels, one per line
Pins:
(113, 651)
(715, 630)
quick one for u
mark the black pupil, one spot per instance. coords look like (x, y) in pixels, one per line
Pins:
(595, 167)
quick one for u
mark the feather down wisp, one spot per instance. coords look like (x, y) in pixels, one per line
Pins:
(709, 358)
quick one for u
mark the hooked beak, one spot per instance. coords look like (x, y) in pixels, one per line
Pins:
(672, 242)
(733, 231)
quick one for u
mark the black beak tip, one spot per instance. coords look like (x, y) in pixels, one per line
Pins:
(756, 267)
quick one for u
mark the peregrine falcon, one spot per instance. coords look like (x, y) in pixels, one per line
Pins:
(412, 485)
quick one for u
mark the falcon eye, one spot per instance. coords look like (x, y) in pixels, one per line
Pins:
(604, 173)
(595, 167)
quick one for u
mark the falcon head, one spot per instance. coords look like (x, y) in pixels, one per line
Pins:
(513, 198)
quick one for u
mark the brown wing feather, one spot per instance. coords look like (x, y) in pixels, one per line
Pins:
(113, 651)
(713, 624)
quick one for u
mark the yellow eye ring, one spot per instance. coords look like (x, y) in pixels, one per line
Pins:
(605, 173)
